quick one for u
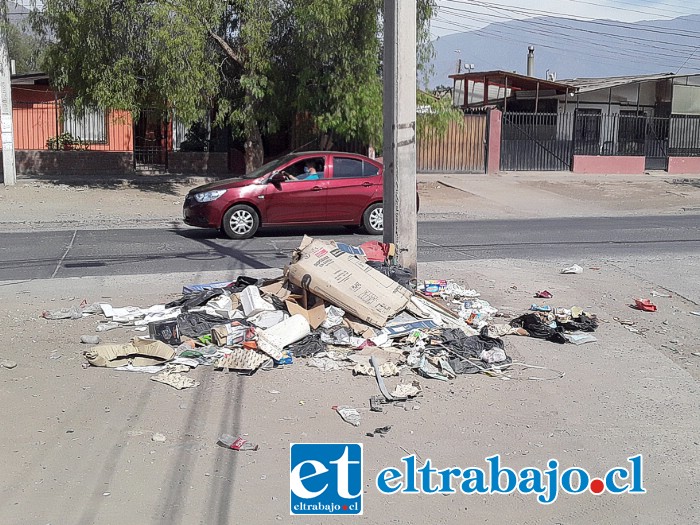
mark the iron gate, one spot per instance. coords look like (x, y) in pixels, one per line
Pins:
(535, 141)
(151, 141)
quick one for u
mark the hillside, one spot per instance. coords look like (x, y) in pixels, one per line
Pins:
(573, 48)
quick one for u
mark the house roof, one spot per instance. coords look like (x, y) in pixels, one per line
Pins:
(515, 81)
(583, 85)
(29, 78)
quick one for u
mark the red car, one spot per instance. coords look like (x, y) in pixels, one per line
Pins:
(321, 187)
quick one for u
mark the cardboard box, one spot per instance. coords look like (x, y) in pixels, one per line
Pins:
(346, 282)
(312, 308)
(228, 334)
(252, 302)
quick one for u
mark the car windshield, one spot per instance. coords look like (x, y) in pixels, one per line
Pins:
(267, 168)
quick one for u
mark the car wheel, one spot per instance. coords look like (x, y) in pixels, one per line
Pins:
(373, 219)
(240, 222)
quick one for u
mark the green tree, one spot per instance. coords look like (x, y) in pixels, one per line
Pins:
(24, 48)
(258, 62)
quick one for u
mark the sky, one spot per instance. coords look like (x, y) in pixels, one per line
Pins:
(474, 14)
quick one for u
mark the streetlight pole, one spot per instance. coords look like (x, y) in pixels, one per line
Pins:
(400, 206)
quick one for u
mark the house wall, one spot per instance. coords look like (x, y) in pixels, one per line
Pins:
(684, 165)
(36, 118)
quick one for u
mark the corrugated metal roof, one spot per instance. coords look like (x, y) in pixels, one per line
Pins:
(584, 85)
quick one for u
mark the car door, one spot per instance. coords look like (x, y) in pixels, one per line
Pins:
(354, 184)
(296, 201)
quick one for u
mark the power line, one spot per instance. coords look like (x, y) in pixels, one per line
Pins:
(563, 36)
(607, 23)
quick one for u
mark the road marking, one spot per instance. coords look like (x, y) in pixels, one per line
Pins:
(70, 245)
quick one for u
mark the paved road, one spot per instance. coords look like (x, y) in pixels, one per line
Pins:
(50, 254)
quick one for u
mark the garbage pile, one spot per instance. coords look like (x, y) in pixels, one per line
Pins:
(335, 307)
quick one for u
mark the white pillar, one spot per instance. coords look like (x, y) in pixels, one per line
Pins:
(6, 131)
(400, 213)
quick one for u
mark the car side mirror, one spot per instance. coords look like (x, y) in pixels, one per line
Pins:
(276, 177)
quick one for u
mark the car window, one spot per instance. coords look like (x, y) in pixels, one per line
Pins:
(346, 168)
(307, 169)
(369, 170)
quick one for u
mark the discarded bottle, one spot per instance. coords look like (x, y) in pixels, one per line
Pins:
(228, 441)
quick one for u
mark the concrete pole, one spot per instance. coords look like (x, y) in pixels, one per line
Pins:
(400, 213)
(7, 134)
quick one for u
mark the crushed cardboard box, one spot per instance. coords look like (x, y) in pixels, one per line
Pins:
(345, 281)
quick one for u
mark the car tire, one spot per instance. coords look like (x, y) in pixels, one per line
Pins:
(373, 219)
(240, 222)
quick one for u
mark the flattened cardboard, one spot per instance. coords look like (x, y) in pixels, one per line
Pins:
(139, 352)
(242, 359)
(346, 282)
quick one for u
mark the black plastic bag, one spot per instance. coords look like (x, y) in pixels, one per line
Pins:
(536, 327)
(195, 324)
(194, 299)
(396, 273)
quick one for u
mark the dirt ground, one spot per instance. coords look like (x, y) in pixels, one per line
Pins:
(79, 446)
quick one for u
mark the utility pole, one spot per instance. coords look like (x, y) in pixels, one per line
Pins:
(400, 212)
(7, 134)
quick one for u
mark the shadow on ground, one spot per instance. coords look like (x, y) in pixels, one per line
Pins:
(279, 231)
(170, 184)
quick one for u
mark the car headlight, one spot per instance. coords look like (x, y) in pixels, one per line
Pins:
(208, 196)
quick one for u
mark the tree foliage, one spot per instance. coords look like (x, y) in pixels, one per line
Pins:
(258, 62)
(24, 48)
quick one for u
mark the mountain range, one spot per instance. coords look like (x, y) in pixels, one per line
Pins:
(571, 48)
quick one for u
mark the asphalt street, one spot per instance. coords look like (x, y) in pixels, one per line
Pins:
(78, 253)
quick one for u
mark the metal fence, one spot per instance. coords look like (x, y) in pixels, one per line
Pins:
(56, 125)
(548, 141)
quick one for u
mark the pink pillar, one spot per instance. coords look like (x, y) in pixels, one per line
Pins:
(493, 141)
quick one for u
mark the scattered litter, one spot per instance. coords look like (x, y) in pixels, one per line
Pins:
(387, 369)
(376, 402)
(572, 269)
(654, 293)
(6, 363)
(174, 379)
(90, 339)
(407, 390)
(381, 431)
(339, 308)
(695, 313)
(103, 327)
(580, 338)
(349, 414)
(236, 443)
(645, 305)
(165, 331)
(542, 308)
(158, 438)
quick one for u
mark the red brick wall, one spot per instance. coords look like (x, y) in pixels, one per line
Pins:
(194, 162)
(54, 163)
